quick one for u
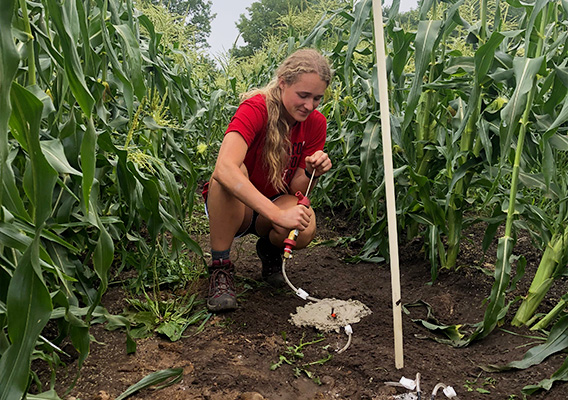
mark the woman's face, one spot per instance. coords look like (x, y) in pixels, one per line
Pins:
(302, 97)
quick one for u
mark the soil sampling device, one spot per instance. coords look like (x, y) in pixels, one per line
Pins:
(391, 213)
(328, 314)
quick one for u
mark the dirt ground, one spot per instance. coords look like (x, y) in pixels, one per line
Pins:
(231, 358)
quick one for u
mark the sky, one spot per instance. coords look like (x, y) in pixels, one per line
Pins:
(224, 33)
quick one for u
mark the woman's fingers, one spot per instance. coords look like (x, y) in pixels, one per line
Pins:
(319, 162)
(297, 217)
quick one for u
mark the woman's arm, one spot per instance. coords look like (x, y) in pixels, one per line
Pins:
(228, 173)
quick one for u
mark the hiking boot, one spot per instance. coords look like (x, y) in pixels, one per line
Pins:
(222, 295)
(271, 258)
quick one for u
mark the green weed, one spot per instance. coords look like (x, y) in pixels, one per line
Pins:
(294, 355)
(170, 317)
(482, 387)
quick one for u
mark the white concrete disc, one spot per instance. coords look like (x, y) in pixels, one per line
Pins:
(318, 314)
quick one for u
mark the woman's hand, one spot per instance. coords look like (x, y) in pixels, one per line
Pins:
(318, 162)
(297, 217)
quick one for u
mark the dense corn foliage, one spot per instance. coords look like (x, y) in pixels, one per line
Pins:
(107, 128)
(96, 165)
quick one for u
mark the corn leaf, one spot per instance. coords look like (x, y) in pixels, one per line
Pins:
(28, 310)
(425, 6)
(496, 307)
(9, 60)
(561, 375)
(369, 155)
(483, 59)
(361, 15)
(426, 38)
(559, 142)
(525, 72)
(319, 31)
(88, 155)
(10, 197)
(537, 8)
(401, 45)
(452, 332)
(55, 155)
(132, 52)
(556, 342)
(103, 256)
(65, 18)
(12, 237)
(26, 118)
(79, 334)
(176, 229)
(170, 376)
(126, 84)
(562, 116)
(49, 395)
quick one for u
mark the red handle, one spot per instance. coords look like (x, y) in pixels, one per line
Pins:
(303, 200)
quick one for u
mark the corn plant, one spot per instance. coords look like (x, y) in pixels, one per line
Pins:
(523, 105)
(432, 125)
(94, 163)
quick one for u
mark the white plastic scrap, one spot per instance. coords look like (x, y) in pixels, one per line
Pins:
(410, 384)
(407, 383)
(449, 392)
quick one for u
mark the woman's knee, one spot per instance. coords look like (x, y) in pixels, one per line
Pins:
(226, 211)
(304, 237)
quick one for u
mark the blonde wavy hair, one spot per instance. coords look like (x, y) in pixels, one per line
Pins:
(276, 152)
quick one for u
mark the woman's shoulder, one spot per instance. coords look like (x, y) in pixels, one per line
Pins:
(250, 118)
(257, 101)
(253, 107)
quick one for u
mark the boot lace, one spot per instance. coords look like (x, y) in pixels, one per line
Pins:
(221, 283)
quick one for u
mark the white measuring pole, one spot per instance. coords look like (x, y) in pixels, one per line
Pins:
(389, 182)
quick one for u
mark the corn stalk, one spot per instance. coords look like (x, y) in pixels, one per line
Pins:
(514, 116)
(443, 196)
(552, 262)
(71, 193)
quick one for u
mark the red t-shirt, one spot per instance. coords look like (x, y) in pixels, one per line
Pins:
(306, 138)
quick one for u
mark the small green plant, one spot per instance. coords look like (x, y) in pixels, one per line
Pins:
(294, 354)
(198, 223)
(481, 387)
(226, 323)
(170, 317)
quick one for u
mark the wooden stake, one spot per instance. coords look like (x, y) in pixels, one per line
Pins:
(389, 182)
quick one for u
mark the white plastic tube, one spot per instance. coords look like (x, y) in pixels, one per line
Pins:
(349, 333)
(301, 293)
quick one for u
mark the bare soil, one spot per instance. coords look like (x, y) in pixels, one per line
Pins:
(231, 358)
